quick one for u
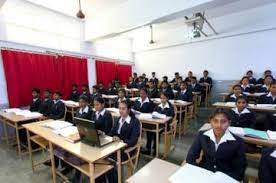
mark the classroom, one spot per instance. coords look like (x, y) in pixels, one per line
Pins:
(138, 91)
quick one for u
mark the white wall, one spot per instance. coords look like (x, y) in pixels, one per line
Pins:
(247, 40)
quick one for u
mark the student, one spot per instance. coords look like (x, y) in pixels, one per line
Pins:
(74, 96)
(265, 87)
(189, 77)
(194, 86)
(164, 108)
(241, 116)
(111, 90)
(237, 91)
(176, 76)
(165, 79)
(85, 91)
(270, 98)
(267, 166)
(143, 103)
(121, 97)
(166, 89)
(135, 77)
(84, 111)
(154, 79)
(131, 83)
(152, 90)
(103, 119)
(58, 108)
(245, 85)
(178, 83)
(36, 102)
(206, 79)
(46, 105)
(184, 93)
(101, 89)
(140, 84)
(222, 150)
(145, 79)
(252, 80)
(266, 73)
(95, 93)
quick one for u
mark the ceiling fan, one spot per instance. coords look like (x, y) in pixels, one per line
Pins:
(80, 14)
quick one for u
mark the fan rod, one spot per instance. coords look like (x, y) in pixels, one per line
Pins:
(208, 24)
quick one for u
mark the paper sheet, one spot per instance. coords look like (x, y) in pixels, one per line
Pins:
(57, 125)
(144, 116)
(12, 110)
(237, 130)
(273, 154)
(113, 109)
(65, 132)
(271, 134)
(158, 115)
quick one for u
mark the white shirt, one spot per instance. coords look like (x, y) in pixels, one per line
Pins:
(165, 106)
(56, 101)
(183, 91)
(120, 100)
(98, 113)
(234, 96)
(244, 111)
(35, 99)
(145, 101)
(245, 86)
(83, 110)
(264, 86)
(121, 123)
(270, 95)
(226, 137)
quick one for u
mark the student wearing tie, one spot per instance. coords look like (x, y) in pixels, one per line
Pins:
(121, 97)
(222, 151)
(58, 108)
(152, 90)
(267, 166)
(237, 91)
(266, 73)
(166, 89)
(165, 79)
(85, 91)
(101, 89)
(241, 116)
(154, 79)
(184, 93)
(135, 77)
(143, 104)
(245, 85)
(36, 102)
(74, 96)
(165, 108)
(206, 79)
(46, 105)
(140, 84)
(178, 83)
(102, 117)
(252, 80)
(145, 79)
(194, 86)
(84, 111)
(267, 81)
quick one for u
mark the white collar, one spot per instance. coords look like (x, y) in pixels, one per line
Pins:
(35, 99)
(163, 107)
(183, 91)
(100, 113)
(146, 100)
(46, 99)
(56, 101)
(84, 110)
(264, 86)
(270, 95)
(234, 96)
(245, 86)
(127, 120)
(244, 111)
(120, 100)
(227, 136)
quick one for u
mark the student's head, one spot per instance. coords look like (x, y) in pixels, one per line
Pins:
(183, 85)
(130, 79)
(47, 93)
(143, 93)
(100, 85)
(122, 93)
(249, 73)
(151, 85)
(135, 75)
(220, 121)
(35, 92)
(144, 75)
(153, 74)
(241, 103)
(98, 103)
(140, 79)
(193, 80)
(164, 85)
(85, 88)
(95, 89)
(190, 74)
(179, 80)
(268, 79)
(110, 85)
(237, 90)
(267, 72)
(83, 101)
(273, 88)
(245, 80)
(165, 78)
(205, 73)
(74, 87)
(176, 74)
(57, 95)
(164, 98)
(124, 108)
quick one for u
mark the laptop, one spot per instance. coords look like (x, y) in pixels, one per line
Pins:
(89, 134)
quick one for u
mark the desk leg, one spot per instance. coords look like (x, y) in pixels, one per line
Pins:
(18, 140)
(119, 166)
(166, 144)
(30, 149)
(180, 122)
(53, 162)
(91, 173)
(5, 132)
(185, 119)
(157, 140)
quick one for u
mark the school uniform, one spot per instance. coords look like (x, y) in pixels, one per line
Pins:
(244, 119)
(152, 93)
(87, 93)
(57, 110)
(111, 91)
(176, 87)
(85, 113)
(247, 88)
(74, 96)
(195, 87)
(206, 80)
(103, 120)
(140, 85)
(269, 121)
(118, 100)
(263, 89)
(146, 106)
(267, 99)
(35, 105)
(267, 166)
(132, 85)
(169, 93)
(174, 80)
(102, 91)
(227, 156)
(252, 81)
(93, 96)
(185, 95)
(232, 97)
(154, 81)
(45, 107)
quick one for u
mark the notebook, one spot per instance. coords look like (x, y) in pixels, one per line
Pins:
(271, 134)
(158, 115)
(57, 125)
(249, 132)
(70, 133)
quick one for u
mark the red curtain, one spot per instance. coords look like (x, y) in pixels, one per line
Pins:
(123, 73)
(105, 71)
(25, 71)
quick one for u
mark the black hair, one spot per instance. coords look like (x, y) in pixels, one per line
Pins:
(250, 71)
(193, 77)
(95, 87)
(58, 93)
(48, 90)
(122, 90)
(268, 76)
(273, 83)
(225, 112)
(266, 71)
(242, 98)
(165, 77)
(135, 73)
(184, 82)
(145, 90)
(237, 85)
(244, 77)
(99, 99)
(85, 85)
(128, 105)
(153, 73)
(176, 73)
(74, 85)
(84, 97)
(206, 71)
(165, 94)
(36, 90)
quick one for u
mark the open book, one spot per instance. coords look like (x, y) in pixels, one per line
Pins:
(158, 115)
(112, 109)
(70, 133)
(194, 174)
(70, 102)
(57, 125)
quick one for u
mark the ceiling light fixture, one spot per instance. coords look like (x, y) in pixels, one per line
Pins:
(80, 14)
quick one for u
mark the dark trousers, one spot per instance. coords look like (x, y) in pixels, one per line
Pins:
(267, 167)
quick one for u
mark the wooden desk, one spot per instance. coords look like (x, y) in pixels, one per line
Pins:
(250, 106)
(15, 121)
(156, 171)
(152, 121)
(133, 91)
(83, 151)
(110, 98)
(207, 91)
(255, 96)
(71, 107)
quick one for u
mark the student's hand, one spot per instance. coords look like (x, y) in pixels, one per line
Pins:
(116, 138)
(43, 118)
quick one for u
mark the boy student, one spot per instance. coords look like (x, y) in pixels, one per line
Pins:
(166, 89)
(184, 93)
(121, 97)
(135, 77)
(145, 79)
(189, 77)
(36, 102)
(266, 73)
(152, 90)
(154, 79)
(58, 108)
(95, 93)
(246, 87)
(85, 91)
(194, 86)
(111, 90)
(252, 80)
(222, 150)
(237, 91)
(267, 81)
(131, 83)
(74, 96)
(206, 79)
(176, 76)
(101, 88)
(84, 111)
(140, 84)
(46, 105)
